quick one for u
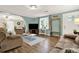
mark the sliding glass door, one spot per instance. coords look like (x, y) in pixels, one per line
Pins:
(56, 26)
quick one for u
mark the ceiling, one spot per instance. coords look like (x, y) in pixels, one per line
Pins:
(42, 10)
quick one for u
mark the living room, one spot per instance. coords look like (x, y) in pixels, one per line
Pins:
(39, 28)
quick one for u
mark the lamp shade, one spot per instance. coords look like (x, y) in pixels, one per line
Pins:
(76, 21)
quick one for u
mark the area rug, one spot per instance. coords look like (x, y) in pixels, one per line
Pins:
(32, 40)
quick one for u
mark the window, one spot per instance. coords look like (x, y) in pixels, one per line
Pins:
(10, 27)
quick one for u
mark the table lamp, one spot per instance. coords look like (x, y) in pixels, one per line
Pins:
(76, 21)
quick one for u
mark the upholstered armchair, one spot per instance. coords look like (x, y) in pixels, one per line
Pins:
(8, 43)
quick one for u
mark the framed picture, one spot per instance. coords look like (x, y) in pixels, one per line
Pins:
(18, 23)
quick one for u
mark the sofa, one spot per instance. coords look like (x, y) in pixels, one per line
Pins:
(8, 43)
(66, 44)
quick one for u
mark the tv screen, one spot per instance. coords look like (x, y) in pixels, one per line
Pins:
(33, 26)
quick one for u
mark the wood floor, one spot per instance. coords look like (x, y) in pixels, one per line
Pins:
(42, 47)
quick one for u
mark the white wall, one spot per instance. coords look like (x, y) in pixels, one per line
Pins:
(68, 22)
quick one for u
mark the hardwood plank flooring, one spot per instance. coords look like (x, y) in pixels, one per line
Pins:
(42, 47)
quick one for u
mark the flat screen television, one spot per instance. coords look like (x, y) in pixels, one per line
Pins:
(33, 26)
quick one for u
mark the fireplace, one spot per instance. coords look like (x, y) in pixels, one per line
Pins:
(33, 28)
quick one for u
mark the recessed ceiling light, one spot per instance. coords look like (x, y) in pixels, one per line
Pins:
(33, 7)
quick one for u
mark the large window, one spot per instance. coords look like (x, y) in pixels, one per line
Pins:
(44, 25)
(10, 27)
